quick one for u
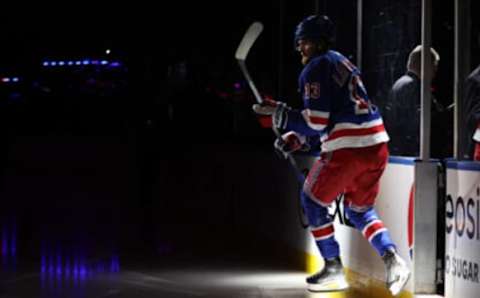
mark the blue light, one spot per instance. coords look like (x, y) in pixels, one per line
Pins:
(51, 266)
(67, 269)
(75, 269)
(94, 62)
(46, 63)
(70, 63)
(61, 63)
(53, 63)
(43, 264)
(59, 265)
(114, 264)
(13, 242)
(104, 62)
(115, 64)
(86, 62)
(15, 79)
(78, 62)
(83, 271)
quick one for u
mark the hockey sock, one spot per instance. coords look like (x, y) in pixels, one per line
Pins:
(372, 229)
(321, 227)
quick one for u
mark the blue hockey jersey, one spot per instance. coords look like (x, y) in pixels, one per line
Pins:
(336, 106)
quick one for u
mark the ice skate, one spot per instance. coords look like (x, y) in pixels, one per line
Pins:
(330, 278)
(397, 272)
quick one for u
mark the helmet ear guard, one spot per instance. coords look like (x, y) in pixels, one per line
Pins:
(317, 28)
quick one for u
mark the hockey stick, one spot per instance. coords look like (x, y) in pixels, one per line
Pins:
(251, 35)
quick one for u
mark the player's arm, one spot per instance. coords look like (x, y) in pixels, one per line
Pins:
(313, 118)
(316, 92)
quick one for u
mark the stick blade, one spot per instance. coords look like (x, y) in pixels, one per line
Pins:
(248, 40)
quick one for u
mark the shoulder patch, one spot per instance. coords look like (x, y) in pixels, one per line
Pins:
(312, 90)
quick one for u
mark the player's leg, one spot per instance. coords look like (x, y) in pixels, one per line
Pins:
(359, 201)
(322, 186)
(321, 226)
(331, 277)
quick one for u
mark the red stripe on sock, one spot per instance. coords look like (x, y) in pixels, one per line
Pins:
(372, 228)
(322, 232)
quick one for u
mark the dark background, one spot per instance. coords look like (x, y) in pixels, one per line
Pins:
(154, 157)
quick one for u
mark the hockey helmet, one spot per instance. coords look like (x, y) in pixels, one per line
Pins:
(316, 28)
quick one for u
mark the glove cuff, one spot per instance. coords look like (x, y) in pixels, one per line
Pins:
(280, 116)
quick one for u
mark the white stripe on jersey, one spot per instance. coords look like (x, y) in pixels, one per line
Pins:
(355, 141)
(349, 125)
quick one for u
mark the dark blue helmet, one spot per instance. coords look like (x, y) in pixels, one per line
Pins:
(316, 28)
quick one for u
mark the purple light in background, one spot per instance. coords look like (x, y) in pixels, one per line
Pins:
(43, 264)
(5, 80)
(59, 270)
(237, 86)
(100, 267)
(115, 64)
(67, 268)
(75, 269)
(81, 62)
(13, 241)
(51, 265)
(114, 264)
(83, 271)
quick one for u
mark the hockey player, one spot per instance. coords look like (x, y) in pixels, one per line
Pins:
(336, 108)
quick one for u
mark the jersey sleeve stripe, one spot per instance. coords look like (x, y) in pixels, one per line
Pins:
(316, 119)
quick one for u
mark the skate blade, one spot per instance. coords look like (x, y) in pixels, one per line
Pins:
(396, 287)
(329, 286)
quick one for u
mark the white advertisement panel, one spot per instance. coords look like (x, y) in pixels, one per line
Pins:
(462, 212)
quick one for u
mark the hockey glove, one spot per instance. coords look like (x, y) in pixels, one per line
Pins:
(290, 142)
(276, 109)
